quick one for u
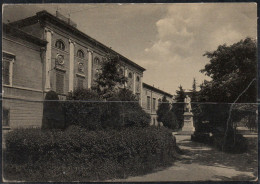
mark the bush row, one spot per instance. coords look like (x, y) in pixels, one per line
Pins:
(86, 109)
(80, 155)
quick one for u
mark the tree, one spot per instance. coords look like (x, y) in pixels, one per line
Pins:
(194, 85)
(231, 68)
(165, 115)
(194, 94)
(53, 115)
(233, 71)
(109, 78)
(124, 110)
(170, 120)
(195, 106)
(163, 108)
(178, 107)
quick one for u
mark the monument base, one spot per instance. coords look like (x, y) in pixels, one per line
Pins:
(188, 127)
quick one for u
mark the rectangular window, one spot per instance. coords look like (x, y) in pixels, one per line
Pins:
(80, 82)
(148, 102)
(59, 82)
(6, 72)
(154, 103)
(6, 117)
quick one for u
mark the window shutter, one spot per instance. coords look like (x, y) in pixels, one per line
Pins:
(80, 82)
(6, 117)
(148, 102)
(60, 82)
(6, 72)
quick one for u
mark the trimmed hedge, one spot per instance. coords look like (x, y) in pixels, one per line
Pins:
(80, 155)
(53, 115)
(83, 108)
(86, 109)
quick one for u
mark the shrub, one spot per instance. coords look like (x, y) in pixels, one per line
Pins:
(53, 115)
(83, 108)
(170, 120)
(201, 137)
(126, 111)
(80, 155)
(232, 142)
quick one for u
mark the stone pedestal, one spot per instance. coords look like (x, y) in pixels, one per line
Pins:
(188, 127)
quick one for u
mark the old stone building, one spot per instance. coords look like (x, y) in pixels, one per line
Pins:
(46, 52)
(151, 98)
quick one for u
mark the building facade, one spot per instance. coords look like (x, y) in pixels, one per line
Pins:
(151, 98)
(46, 52)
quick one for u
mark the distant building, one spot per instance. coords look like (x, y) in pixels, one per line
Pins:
(46, 52)
(151, 98)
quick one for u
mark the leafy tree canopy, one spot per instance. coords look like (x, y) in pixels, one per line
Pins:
(110, 78)
(231, 68)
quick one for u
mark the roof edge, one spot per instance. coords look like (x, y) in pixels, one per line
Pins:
(44, 13)
(23, 35)
(157, 90)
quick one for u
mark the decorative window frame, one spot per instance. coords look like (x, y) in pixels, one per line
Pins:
(137, 79)
(83, 54)
(148, 105)
(81, 67)
(96, 61)
(9, 57)
(130, 75)
(59, 59)
(63, 72)
(60, 40)
(6, 126)
(154, 103)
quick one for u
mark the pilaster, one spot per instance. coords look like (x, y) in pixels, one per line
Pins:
(48, 36)
(71, 71)
(90, 58)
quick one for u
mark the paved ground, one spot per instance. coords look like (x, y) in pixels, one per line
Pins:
(202, 163)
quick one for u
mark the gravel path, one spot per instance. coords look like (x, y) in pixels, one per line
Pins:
(202, 163)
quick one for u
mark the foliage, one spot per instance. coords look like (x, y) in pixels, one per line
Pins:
(53, 116)
(109, 78)
(80, 155)
(233, 72)
(201, 137)
(231, 68)
(170, 120)
(163, 108)
(246, 112)
(166, 116)
(123, 110)
(83, 108)
(231, 142)
(178, 108)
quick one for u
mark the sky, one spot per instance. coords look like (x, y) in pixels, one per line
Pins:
(168, 40)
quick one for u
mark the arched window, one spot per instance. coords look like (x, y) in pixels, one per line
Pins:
(60, 45)
(80, 54)
(121, 72)
(96, 61)
(137, 78)
(130, 75)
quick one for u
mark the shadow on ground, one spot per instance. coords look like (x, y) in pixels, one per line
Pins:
(210, 156)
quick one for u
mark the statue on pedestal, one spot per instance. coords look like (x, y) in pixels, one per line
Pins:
(188, 127)
(187, 101)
